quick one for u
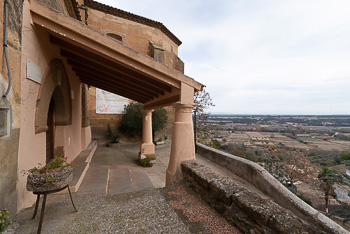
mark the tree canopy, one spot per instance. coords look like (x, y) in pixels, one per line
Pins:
(131, 123)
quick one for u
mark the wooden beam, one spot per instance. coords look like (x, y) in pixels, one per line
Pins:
(111, 90)
(115, 88)
(114, 65)
(114, 77)
(110, 77)
(163, 102)
(145, 71)
(136, 80)
(108, 80)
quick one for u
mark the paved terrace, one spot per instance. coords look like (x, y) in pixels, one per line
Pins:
(117, 195)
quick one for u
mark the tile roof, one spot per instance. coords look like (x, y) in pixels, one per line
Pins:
(130, 16)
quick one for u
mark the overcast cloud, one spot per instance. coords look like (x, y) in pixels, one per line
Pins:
(261, 56)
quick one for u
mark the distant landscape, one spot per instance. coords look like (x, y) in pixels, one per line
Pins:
(294, 149)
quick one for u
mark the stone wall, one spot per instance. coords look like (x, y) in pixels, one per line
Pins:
(265, 182)
(9, 145)
(139, 37)
(244, 209)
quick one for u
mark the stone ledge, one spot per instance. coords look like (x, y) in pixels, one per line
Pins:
(242, 208)
(80, 166)
(266, 183)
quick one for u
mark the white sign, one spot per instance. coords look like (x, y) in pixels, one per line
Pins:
(109, 103)
(33, 72)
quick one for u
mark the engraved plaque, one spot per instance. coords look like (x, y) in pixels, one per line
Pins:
(33, 72)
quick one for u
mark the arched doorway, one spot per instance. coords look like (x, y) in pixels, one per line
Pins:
(54, 108)
(54, 89)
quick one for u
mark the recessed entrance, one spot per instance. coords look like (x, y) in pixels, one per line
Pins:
(50, 133)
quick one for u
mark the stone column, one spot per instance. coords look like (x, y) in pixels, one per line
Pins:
(147, 146)
(182, 144)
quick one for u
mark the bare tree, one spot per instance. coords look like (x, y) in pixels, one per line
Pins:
(202, 130)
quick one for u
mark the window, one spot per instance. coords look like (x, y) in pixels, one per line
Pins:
(3, 122)
(5, 118)
(115, 36)
(157, 52)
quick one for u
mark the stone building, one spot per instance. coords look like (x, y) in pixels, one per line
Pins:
(55, 50)
(144, 35)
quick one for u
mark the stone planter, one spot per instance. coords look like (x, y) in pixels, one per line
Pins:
(39, 182)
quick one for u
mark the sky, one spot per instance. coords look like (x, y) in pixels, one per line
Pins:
(261, 56)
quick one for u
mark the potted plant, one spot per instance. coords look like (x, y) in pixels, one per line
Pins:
(114, 138)
(52, 176)
(147, 161)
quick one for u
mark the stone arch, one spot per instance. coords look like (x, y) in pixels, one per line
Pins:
(55, 84)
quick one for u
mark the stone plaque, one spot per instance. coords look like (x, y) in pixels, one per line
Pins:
(33, 72)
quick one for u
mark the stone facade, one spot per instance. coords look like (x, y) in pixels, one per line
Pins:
(148, 40)
(48, 101)
(9, 145)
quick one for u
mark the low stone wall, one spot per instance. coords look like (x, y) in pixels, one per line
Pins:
(265, 182)
(242, 208)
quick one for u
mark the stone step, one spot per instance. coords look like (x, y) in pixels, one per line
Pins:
(81, 164)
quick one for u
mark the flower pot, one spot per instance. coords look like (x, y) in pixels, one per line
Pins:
(41, 182)
(45, 170)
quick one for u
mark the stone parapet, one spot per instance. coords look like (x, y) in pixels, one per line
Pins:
(249, 212)
(266, 183)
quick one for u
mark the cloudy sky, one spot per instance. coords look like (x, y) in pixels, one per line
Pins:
(261, 56)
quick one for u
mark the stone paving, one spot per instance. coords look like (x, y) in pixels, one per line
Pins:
(119, 196)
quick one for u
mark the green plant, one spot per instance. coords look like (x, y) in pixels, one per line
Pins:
(160, 140)
(165, 138)
(58, 162)
(305, 199)
(131, 123)
(328, 178)
(50, 178)
(4, 220)
(114, 137)
(147, 161)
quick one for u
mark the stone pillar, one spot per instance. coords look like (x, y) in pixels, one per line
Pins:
(182, 144)
(147, 146)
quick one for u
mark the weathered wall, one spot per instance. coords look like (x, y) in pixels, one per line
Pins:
(264, 181)
(58, 5)
(244, 209)
(37, 48)
(137, 36)
(9, 146)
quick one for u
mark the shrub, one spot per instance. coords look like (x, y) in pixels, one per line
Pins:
(4, 220)
(113, 137)
(131, 123)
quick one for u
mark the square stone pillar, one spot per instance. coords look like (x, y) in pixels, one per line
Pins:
(182, 143)
(147, 146)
